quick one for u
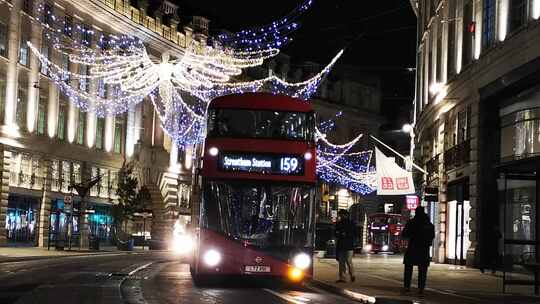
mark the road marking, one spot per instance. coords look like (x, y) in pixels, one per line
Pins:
(355, 295)
(140, 268)
(51, 257)
(294, 300)
(359, 296)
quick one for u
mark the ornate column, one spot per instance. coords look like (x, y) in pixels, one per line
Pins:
(173, 157)
(33, 80)
(478, 18)
(45, 206)
(159, 135)
(13, 57)
(54, 102)
(138, 122)
(149, 115)
(130, 131)
(109, 124)
(459, 38)
(502, 24)
(73, 111)
(91, 115)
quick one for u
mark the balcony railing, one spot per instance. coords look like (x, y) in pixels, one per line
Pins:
(457, 156)
(432, 165)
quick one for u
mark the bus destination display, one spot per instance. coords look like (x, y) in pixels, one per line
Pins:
(261, 163)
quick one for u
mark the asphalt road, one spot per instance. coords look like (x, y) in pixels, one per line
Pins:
(144, 278)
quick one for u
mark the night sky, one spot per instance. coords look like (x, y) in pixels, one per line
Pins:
(380, 37)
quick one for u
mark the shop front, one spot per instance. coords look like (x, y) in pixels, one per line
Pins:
(518, 186)
(458, 219)
(22, 218)
(509, 157)
(64, 229)
(101, 223)
(63, 225)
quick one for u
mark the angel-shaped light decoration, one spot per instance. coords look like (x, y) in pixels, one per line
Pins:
(116, 72)
(180, 87)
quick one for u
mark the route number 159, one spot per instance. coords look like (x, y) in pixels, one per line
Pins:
(288, 164)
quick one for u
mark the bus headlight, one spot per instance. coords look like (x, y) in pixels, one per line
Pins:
(308, 156)
(385, 248)
(213, 151)
(212, 257)
(301, 261)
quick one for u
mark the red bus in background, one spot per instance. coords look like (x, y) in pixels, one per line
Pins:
(384, 233)
(256, 188)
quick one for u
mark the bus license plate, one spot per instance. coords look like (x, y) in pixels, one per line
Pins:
(257, 268)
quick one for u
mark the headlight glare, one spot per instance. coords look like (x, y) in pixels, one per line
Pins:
(182, 244)
(212, 257)
(302, 261)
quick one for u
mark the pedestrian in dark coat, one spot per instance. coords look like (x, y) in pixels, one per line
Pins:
(345, 245)
(420, 233)
(492, 254)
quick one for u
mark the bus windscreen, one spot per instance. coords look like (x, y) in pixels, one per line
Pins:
(241, 123)
(262, 215)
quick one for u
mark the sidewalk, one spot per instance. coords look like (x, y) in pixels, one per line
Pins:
(14, 254)
(380, 276)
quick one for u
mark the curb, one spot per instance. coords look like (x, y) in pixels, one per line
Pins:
(356, 296)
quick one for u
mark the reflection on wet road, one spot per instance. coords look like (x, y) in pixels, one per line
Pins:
(152, 277)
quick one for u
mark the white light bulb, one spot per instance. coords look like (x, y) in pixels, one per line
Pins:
(213, 151)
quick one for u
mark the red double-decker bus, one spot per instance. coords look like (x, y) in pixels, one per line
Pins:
(384, 233)
(256, 188)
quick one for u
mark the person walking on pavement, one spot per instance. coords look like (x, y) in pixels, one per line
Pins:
(493, 258)
(345, 245)
(420, 233)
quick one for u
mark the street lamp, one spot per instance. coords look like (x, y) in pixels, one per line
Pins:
(408, 128)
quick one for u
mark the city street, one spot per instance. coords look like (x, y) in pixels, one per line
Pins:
(154, 277)
(215, 152)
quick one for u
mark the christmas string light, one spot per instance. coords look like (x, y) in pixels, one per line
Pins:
(335, 164)
(122, 70)
(273, 84)
(273, 35)
(122, 62)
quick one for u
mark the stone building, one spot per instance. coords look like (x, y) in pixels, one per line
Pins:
(46, 143)
(477, 122)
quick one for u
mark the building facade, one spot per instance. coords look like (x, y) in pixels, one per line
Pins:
(47, 143)
(477, 125)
